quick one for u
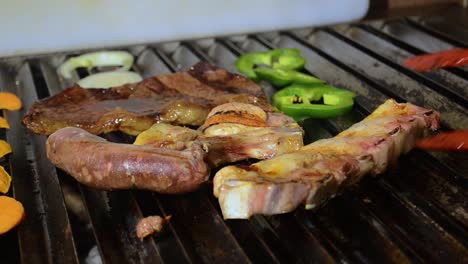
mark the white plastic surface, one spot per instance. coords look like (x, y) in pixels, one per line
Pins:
(33, 27)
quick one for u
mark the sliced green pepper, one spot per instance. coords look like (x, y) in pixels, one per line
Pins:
(302, 101)
(280, 77)
(285, 59)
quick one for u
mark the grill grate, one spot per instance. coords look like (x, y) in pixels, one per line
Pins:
(416, 212)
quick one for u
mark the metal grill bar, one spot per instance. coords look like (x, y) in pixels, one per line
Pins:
(415, 36)
(37, 176)
(329, 219)
(390, 78)
(283, 234)
(394, 57)
(295, 241)
(414, 213)
(458, 42)
(314, 129)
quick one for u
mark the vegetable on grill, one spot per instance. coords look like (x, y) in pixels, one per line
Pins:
(109, 79)
(301, 101)
(4, 123)
(433, 61)
(449, 141)
(97, 59)
(11, 213)
(283, 59)
(280, 77)
(5, 180)
(9, 101)
(305, 95)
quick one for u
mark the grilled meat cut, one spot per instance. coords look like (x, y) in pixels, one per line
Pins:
(237, 131)
(232, 132)
(150, 225)
(183, 98)
(162, 135)
(252, 143)
(316, 172)
(167, 158)
(95, 162)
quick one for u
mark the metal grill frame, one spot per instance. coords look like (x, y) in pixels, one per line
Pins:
(416, 212)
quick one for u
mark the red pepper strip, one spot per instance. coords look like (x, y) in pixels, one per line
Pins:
(448, 141)
(428, 62)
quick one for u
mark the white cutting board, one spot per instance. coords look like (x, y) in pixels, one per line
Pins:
(42, 26)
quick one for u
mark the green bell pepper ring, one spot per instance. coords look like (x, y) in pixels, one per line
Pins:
(246, 63)
(280, 77)
(298, 101)
(285, 59)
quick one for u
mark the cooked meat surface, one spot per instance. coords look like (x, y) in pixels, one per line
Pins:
(167, 136)
(182, 98)
(318, 171)
(237, 131)
(150, 225)
(230, 140)
(95, 162)
(232, 132)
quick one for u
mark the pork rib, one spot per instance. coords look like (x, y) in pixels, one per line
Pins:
(318, 171)
(182, 98)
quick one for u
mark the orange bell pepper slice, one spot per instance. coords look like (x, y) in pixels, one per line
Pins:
(5, 148)
(4, 123)
(5, 180)
(9, 101)
(11, 213)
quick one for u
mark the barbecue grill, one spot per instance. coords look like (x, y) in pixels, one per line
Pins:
(416, 212)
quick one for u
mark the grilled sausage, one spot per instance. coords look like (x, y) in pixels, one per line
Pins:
(95, 162)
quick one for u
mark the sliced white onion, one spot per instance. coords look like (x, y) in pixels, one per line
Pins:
(97, 59)
(109, 79)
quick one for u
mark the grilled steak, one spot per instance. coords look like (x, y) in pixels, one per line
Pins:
(319, 170)
(95, 162)
(182, 98)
